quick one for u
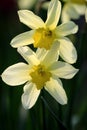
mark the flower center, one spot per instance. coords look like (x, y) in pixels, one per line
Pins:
(44, 38)
(39, 75)
(78, 1)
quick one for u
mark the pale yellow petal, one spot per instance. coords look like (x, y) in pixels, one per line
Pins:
(67, 50)
(30, 95)
(28, 55)
(30, 19)
(16, 74)
(55, 88)
(53, 14)
(66, 29)
(22, 39)
(63, 70)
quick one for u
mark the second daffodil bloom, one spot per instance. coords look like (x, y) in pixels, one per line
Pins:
(73, 9)
(43, 35)
(42, 70)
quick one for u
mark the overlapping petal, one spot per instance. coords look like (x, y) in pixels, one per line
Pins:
(53, 14)
(30, 95)
(28, 55)
(67, 50)
(52, 54)
(23, 39)
(16, 74)
(30, 19)
(54, 87)
(41, 53)
(63, 70)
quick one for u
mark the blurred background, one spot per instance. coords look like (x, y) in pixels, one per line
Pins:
(12, 114)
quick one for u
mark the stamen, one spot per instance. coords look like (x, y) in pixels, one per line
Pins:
(44, 38)
(40, 76)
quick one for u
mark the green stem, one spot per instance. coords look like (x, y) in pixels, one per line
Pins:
(60, 124)
(43, 113)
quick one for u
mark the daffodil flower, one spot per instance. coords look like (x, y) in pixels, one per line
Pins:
(43, 35)
(73, 9)
(42, 70)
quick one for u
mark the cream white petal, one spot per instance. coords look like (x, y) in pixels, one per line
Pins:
(30, 95)
(63, 70)
(30, 19)
(23, 39)
(54, 87)
(66, 29)
(52, 54)
(53, 14)
(67, 50)
(28, 55)
(16, 74)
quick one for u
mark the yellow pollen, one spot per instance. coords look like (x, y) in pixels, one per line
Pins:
(78, 1)
(44, 38)
(39, 75)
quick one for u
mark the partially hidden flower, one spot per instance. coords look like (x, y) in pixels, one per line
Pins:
(26, 4)
(86, 13)
(73, 9)
(42, 70)
(43, 35)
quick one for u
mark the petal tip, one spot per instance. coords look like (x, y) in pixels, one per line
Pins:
(76, 29)
(65, 101)
(12, 44)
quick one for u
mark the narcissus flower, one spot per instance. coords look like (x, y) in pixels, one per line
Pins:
(73, 9)
(43, 35)
(42, 70)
